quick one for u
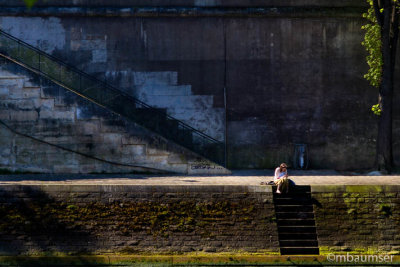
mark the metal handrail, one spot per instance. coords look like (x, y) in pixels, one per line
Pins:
(107, 88)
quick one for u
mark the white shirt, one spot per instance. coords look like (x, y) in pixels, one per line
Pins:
(279, 174)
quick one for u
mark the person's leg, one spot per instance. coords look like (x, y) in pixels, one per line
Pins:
(278, 191)
(279, 185)
(286, 181)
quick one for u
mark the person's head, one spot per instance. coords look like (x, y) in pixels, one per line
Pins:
(283, 167)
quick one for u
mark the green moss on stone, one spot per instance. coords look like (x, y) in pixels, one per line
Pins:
(158, 219)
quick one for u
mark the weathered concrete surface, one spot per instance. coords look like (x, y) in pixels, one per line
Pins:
(287, 79)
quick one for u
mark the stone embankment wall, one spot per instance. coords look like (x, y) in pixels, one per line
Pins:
(133, 219)
(51, 130)
(163, 219)
(357, 219)
(280, 72)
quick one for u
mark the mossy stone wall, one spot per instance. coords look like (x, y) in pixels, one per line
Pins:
(98, 219)
(135, 219)
(357, 219)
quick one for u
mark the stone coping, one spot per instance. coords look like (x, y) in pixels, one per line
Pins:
(190, 188)
(315, 178)
(135, 188)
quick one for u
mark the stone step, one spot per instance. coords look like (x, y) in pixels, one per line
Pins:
(148, 115)
(297, 236)
(293, 201)
(185, 136)
(299, 243)
(299, 188)
(30, 84)
(294, 215)
(294, 208)
(198, 102)
(31, 88)
(172, 123)
(299, 251)
(292, 194)
(147, 91)
(162, 77)
(297, 229)
(12, 81)
(7, 77)
(296, 222)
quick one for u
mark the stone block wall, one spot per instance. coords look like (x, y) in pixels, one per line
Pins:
(284, 73)
(53, 218)
(358, 219)
(51, 130)
(133, 219)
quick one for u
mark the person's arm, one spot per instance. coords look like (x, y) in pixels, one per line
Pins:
(276, 177)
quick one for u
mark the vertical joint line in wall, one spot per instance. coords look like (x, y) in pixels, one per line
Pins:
(225, 92)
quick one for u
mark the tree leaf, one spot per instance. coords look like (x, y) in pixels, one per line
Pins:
(30, 3)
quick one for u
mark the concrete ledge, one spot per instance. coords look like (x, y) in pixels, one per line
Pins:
(154, 260)
(76, 188)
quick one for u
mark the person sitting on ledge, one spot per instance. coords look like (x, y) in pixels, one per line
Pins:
(281, 178)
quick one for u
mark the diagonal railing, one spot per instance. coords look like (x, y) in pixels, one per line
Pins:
(111, 98)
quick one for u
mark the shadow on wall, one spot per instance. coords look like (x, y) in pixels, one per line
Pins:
(33, 223)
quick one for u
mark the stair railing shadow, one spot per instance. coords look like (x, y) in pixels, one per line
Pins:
(111, 98)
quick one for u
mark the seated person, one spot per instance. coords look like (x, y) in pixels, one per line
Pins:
(281, 178)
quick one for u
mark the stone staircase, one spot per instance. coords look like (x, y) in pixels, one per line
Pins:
(116, 101)
(62, 133)
(296, 223)
(161, 89)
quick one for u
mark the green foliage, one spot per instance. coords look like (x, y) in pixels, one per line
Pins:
(30, 3)
(373, 45)
(376, 109)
